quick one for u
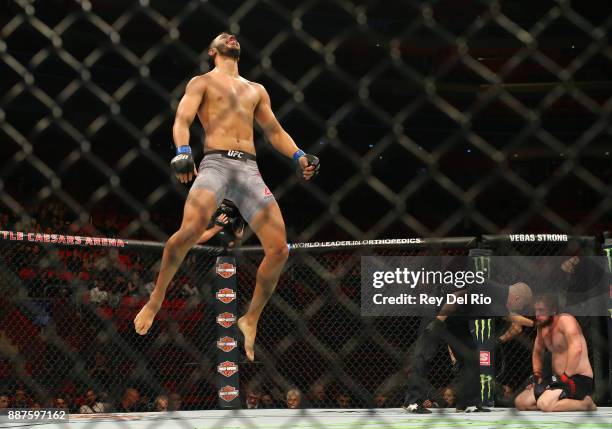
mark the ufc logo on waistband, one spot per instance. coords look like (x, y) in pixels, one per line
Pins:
(234, 154)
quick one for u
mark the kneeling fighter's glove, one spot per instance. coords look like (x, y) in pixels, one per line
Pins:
(183, 163)
(539, 386)
(536, 378)
(565, 383)
(312, 160)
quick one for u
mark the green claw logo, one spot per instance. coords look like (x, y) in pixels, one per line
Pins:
(485, 382)
(483, 264)
(609, 256)
(480, 325)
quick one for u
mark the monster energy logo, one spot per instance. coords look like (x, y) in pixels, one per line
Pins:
(483, 264)
(485, 382)
(480, 325)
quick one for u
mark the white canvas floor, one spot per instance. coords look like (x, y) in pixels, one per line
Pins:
(333, 419)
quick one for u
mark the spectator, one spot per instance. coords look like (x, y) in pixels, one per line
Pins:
(505, 396)
(73, 408)
(508, 392)
(148, 287)
(60, 402)
(253, 397)
(91, 405)
(130, 401)
(380, 401)
(20, 400)
(4, 402)
(161, 403)
(106, 402)
(131, 289)
(98, 295)
(266, 401)
(100, 371)
(343, 400)
(318, 396)
(449, 397)
(189, 290)
(293, 398)
(175, 402)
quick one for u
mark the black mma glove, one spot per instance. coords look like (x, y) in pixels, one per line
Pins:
(218, 221)
(228, 208)
(539, 386)
(536, 378)
(565, 383)
(183, 163)
(312, 160)
(234, 218)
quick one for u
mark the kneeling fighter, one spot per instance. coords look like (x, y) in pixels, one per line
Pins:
(571, 387)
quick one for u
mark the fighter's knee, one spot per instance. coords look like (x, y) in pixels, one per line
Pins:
(188, 235)
(546, 405)
(278, 251)
(547, 408)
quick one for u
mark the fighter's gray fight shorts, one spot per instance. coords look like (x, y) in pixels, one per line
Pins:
(234, 175)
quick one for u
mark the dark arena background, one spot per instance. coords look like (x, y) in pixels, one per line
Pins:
(441, 127)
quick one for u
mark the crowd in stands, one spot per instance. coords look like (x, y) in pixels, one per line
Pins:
(132, 400)
(105, 278)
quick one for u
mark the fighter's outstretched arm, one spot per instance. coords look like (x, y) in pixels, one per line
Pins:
(519, 320)
(278, 137)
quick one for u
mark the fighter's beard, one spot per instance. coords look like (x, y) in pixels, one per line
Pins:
(229, 52)
(545, 323)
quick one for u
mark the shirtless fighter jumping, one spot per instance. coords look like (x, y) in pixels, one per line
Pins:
(226, 105)
(571, 387)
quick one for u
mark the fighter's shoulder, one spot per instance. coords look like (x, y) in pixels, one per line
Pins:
(199, 82)
(255, 85)
(566, 319)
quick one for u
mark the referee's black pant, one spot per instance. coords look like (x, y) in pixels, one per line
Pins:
(457, 335)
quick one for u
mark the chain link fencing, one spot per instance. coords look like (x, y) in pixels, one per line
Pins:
(448, 123)
(446, 118)
(68, 311)
(67, 327)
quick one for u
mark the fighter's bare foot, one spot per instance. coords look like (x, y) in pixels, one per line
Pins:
(590, 404)
(144, 319)
(249, 330)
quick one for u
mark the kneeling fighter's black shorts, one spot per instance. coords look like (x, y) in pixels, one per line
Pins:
(584, 386)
